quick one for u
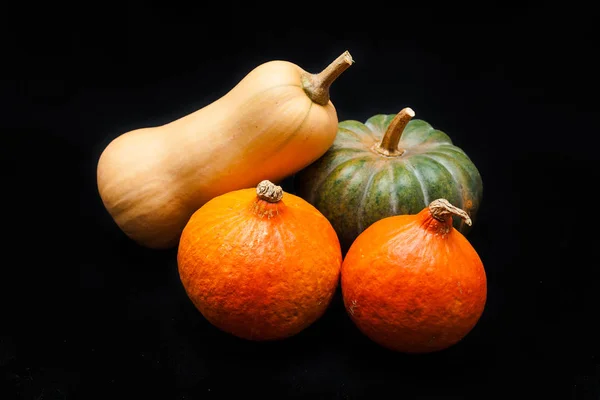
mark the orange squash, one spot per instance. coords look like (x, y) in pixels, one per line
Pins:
(413, 283)
(259, 263)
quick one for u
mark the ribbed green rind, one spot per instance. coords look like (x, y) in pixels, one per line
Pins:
(355, 187)
(345, 187)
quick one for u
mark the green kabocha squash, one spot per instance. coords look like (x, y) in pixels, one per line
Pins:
(390, 165)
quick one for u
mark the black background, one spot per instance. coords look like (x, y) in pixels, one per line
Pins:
(88, 314)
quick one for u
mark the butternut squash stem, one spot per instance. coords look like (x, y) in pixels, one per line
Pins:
(268, 191)
(316, 86)
(391, 138)
(441, 208)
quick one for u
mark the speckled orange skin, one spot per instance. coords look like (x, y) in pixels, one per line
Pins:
(413, 284)
(259, 270)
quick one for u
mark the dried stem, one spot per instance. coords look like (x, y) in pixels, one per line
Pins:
(441, 209)
(268, 191)
(391, 138)
(317, 86)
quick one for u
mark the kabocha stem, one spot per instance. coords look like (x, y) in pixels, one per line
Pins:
(268, 191)
(440, 209)
(391, 138)
(317, 86)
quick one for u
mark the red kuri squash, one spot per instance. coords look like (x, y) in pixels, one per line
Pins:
(413, 283)
(259, 263)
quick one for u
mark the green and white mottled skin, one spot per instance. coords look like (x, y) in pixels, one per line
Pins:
(353, 184)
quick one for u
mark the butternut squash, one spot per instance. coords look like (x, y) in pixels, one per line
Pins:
(277, 120)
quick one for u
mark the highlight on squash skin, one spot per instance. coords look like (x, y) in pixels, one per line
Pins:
(259, 264)
(413, 283)
(277, 120)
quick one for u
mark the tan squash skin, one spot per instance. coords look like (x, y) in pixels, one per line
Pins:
(269, 126)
